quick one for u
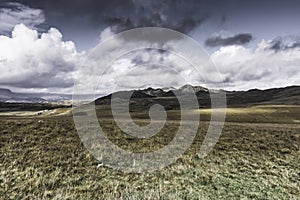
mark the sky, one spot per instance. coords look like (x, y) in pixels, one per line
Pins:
(254, 44)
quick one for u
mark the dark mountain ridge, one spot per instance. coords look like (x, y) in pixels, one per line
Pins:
(286, 96)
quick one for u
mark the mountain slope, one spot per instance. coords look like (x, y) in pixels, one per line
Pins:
(147, 97)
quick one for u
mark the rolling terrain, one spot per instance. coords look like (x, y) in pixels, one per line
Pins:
(146, 97)
(256, 157)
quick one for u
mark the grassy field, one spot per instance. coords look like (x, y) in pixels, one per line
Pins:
(257, 157)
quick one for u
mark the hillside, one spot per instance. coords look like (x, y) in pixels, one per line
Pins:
(147, 97)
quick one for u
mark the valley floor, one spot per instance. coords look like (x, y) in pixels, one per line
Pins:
(256, 157)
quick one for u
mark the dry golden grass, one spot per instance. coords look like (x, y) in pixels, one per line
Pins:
(255, 158)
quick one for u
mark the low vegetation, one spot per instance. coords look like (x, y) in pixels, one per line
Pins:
(42, 157)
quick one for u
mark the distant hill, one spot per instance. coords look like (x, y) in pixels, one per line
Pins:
(9, 107)
(145, 98)
(288, 95)
(5, 91)
(8, 96)
(142, 99)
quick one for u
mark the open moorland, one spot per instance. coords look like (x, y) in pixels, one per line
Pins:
(256, 157)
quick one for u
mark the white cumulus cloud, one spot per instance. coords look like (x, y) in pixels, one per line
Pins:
(47, 63)
(262, 67)
(28, 60)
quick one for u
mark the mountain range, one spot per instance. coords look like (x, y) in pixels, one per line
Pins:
(147, 97)
(8, 96)
(287, 95)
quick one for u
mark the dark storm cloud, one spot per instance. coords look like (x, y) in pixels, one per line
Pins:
(120, 15)
(42, 82)
(154, 56)
(284, 43)
(12, 13)
(239, 39)
(178, 15)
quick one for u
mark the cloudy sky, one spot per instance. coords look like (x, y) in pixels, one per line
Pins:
(254, 44)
